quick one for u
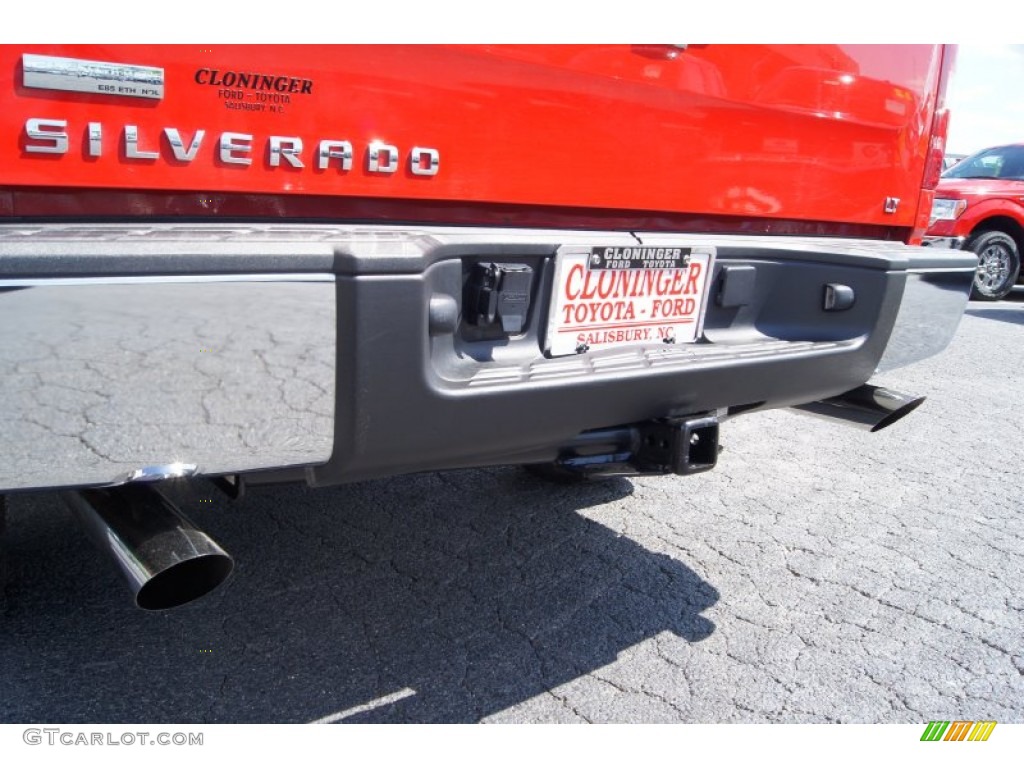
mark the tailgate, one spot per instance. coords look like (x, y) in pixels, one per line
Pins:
(798, 132)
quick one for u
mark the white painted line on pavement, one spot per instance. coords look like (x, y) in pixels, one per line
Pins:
(391, 698)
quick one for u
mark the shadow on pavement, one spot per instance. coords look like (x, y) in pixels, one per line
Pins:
(1009, 309)
(1007, 315)
(451, 596)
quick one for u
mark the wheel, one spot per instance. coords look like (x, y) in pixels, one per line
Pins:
(998, 265)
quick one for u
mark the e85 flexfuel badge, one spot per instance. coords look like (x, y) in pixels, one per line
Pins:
(57, 73)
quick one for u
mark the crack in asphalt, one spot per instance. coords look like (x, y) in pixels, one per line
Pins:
(814, 577)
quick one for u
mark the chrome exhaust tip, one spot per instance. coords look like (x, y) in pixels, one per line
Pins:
(166, 559)
(867, 407)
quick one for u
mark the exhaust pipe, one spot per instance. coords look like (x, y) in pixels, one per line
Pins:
(867, 407)
(167, 560)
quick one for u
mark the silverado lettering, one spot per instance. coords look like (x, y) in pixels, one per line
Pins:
(53, 137)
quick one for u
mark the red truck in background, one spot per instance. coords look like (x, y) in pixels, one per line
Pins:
(979, 205)
(327, 264)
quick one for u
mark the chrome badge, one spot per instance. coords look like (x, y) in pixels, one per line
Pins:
(54, 136)
(57, 73)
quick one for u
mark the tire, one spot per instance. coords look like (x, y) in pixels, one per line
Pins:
(998, 265)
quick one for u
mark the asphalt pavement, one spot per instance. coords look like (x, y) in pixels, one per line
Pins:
(819, 574)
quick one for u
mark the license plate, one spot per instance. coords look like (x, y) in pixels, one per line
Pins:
(615, 296)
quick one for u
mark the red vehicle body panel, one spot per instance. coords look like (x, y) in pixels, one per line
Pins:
(985, 198)
(741, 137)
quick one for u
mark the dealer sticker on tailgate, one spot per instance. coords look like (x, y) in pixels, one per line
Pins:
(622, 295)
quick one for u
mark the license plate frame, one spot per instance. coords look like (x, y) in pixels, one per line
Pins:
(608, 297)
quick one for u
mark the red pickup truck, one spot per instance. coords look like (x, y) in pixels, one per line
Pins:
(979, 205)
(320, 264)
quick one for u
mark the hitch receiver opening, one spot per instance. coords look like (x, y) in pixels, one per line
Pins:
(680, 446)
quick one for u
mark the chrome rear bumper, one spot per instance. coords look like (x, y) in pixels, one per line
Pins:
(956, 243)
(103, 377)
(134, 351)
(933, 303)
